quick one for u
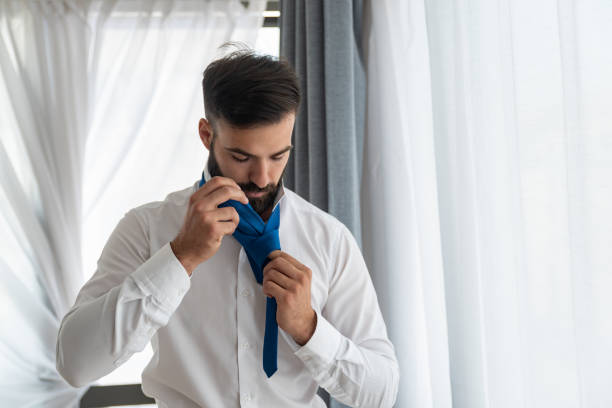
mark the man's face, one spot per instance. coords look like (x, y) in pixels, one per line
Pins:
(255, 158)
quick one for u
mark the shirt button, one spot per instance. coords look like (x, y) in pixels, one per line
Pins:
(245, 345)
(246, 293)
(248, 396)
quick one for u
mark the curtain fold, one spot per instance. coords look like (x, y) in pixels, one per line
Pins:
(399, 198)
(42, 48)
(322, 40)
(97, 99)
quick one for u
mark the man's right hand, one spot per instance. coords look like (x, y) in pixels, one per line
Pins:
(205, 223)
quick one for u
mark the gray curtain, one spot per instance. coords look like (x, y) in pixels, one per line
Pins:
(322, 40)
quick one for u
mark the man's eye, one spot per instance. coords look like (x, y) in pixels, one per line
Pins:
(278, 158)
(238, 159)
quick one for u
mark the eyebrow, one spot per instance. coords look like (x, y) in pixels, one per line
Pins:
(242, 152)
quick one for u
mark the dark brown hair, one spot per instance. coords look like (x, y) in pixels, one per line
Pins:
(247, 89)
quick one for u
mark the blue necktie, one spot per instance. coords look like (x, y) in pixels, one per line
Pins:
(259, 239)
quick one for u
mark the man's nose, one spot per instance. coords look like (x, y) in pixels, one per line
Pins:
(259, 174)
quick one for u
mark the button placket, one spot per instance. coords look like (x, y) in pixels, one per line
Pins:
(245, 343)
(246, 293)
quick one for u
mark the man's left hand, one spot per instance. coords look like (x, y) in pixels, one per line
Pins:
(288, 281)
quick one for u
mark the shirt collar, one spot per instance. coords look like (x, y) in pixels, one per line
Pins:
(279, 195)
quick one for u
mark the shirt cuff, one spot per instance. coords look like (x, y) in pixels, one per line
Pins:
(322, 347)
(164, 277)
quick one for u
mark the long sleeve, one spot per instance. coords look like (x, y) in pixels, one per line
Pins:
(349, 353)
(129, 297)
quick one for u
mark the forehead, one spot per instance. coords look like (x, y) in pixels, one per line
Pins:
(260, 140)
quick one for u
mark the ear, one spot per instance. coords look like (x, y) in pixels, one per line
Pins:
(206, 132)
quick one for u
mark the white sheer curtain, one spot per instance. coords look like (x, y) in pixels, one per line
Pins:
(71, 133)
(487, 197)
(42, 47)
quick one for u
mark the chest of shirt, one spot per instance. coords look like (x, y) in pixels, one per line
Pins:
(227, 277)
(220, 323)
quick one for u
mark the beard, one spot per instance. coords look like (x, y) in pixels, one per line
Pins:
(259, 204)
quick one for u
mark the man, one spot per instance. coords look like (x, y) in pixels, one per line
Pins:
(235, 319)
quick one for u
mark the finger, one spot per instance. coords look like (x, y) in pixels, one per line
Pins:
(280, 279)
(223, 194)
(225, 228)
(284, 266)
(213, 184)
(210, 186)
(226, 214)
(280, 254)
(274, 290)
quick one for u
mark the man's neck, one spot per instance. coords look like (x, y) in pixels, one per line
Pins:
(266, 214)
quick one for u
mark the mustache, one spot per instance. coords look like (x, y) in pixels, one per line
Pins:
(253, 188)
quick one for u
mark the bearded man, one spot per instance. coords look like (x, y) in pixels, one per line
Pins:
(250, 295)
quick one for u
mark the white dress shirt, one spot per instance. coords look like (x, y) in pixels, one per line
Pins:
(207, 330)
